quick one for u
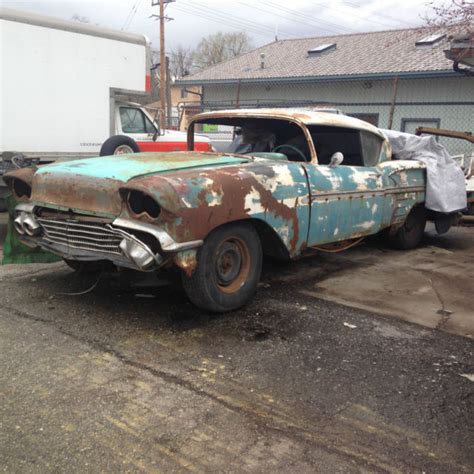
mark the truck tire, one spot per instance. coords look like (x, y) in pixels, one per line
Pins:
(119, 145)
(228, 269)
(409, 235)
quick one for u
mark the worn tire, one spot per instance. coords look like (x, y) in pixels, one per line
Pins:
(88, 267)
(410, 234)
(112, 145)
(228, 269)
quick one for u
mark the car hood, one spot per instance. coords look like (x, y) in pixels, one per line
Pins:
(92, 184)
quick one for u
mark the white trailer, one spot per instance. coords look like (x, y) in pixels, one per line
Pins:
(62, 90)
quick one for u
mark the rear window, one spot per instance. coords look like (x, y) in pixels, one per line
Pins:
(371, 147)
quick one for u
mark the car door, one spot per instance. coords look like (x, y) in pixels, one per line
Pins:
(347, 200)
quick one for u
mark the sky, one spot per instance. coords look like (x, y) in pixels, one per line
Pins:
(190, 20)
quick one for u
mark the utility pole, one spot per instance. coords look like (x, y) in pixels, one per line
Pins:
(162, 66)
(163, 75)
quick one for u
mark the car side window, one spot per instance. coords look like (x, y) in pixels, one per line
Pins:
(371, 147)
(329, 140)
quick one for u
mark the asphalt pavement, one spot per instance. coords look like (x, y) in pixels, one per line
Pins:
(131, 377)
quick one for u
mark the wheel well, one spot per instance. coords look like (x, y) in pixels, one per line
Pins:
(272, 245)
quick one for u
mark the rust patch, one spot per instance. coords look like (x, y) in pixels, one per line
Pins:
(186, 260)
(231, 185)
(73, 191)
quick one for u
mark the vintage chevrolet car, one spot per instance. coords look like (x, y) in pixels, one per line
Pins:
(292, 179)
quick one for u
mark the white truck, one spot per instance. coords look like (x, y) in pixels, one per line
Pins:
(66, 89)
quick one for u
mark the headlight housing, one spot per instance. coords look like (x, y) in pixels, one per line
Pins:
(21, 189)
(140, 203)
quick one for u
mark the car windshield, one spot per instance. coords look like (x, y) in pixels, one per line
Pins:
(257, 135)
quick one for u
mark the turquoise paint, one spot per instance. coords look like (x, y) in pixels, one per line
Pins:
(342, 203)
(125, 167)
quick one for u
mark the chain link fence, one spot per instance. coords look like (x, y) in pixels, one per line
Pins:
(401, 104)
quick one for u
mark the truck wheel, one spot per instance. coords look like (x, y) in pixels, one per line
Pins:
(409, 235)
(228, 270)
(119, 145)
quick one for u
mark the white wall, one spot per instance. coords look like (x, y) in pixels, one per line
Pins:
(54, 87)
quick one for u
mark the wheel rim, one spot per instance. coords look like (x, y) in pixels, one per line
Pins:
(123, 150)
(232, 265)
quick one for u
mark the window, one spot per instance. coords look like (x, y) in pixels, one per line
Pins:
(409, 125)
(329, 140)
(430, 41)
(371, 146)
(321, 49)
(135, 121)
(184, 93)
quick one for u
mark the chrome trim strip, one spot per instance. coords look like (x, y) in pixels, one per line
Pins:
(168, 244)
(25, 207)
(368, 192)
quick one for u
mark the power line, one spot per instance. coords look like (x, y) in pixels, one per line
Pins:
(238, 20)
(131, 14)
(326, 5)
(314, 22)
(229, 20)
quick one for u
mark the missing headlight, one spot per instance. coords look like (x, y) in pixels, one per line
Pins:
(21, 189)
(141, 203)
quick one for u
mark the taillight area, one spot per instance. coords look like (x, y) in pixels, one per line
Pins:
(140, 203)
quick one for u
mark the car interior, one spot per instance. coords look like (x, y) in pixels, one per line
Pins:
(262, 135)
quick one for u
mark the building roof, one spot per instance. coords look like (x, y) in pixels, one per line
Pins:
(379, 53)
(304, 116)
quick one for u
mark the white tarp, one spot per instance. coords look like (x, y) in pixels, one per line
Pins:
(445, 181)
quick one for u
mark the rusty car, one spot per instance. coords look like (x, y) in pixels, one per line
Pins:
(292, 179)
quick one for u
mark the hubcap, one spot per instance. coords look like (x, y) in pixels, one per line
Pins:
(123, 150)
(232, 265)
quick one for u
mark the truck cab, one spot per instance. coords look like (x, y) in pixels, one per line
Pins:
(137, 131)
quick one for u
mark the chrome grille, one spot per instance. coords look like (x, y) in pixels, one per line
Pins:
(81, 235)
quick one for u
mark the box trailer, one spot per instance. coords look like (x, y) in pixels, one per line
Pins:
(65, 89)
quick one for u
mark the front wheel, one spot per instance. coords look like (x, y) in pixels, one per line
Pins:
(119, 145)
(228, 270)
(409, 235)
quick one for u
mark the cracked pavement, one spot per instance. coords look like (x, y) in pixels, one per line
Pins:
(130, 377)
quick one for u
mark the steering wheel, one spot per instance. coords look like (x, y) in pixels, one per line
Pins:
(291, 147)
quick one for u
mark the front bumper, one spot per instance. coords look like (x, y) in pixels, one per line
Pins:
(125, 242)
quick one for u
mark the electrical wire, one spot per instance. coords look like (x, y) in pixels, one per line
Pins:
(220, 15)
(131, 15)
(315, 23)
(229, 20)
(331, 7)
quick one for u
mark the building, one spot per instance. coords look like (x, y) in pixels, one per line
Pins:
(185, 102)
(396, 79)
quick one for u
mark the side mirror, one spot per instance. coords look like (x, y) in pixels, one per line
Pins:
(336, 159)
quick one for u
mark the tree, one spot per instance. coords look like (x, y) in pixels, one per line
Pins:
(181, 61)
(219, 47)
(458, 15)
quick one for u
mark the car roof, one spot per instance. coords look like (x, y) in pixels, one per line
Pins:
(301, 115)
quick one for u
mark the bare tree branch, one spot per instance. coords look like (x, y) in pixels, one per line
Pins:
(220, 47)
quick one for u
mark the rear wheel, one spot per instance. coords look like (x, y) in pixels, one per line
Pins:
(409, 235)
(228, 270)
(119, 145)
